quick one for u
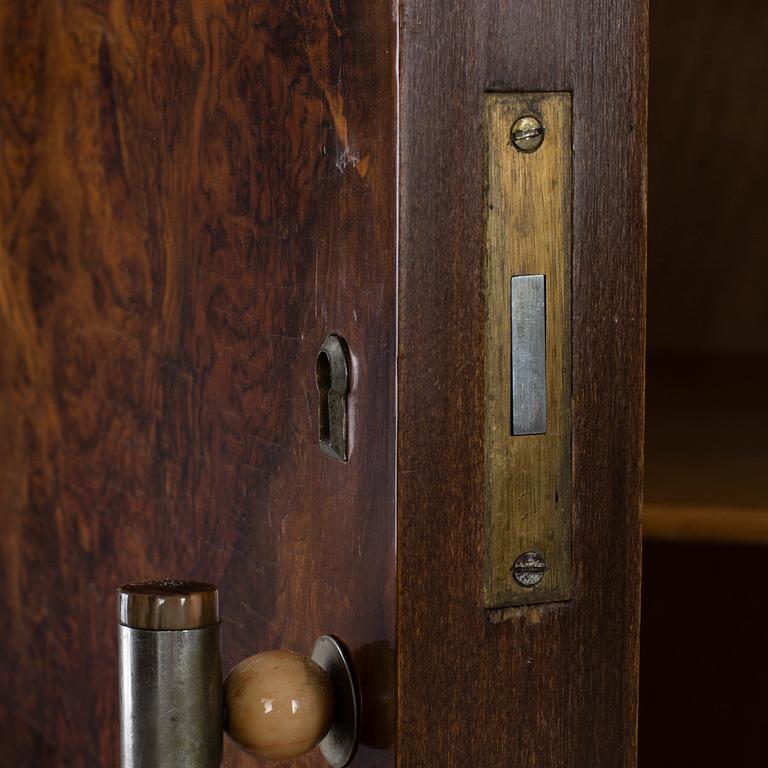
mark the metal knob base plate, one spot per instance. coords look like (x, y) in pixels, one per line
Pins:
(339, 745)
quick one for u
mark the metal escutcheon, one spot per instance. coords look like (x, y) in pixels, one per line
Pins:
(340, 744)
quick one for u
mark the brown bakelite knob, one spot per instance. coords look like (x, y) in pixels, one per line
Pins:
(279, 704)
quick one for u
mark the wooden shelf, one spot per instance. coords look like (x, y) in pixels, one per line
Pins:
(706, 465)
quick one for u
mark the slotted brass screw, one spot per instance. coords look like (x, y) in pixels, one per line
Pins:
(527, 134)
(529, 569)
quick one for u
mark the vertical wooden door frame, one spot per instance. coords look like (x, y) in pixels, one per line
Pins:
(554, 685)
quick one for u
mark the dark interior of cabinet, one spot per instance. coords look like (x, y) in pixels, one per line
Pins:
(705, 516)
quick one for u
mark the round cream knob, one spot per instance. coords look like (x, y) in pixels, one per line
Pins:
(279, 704)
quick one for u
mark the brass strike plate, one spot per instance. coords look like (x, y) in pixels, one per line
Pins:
(527, 349)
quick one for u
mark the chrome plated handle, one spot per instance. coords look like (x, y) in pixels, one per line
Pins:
(174, 706)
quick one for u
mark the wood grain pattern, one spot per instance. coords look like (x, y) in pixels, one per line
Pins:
(560, 680)
(527, 478)
(193, 194)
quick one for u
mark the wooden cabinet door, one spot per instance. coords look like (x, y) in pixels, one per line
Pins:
(193, 195)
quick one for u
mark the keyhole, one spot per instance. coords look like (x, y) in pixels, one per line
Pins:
(332, 378)
(323, 373)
